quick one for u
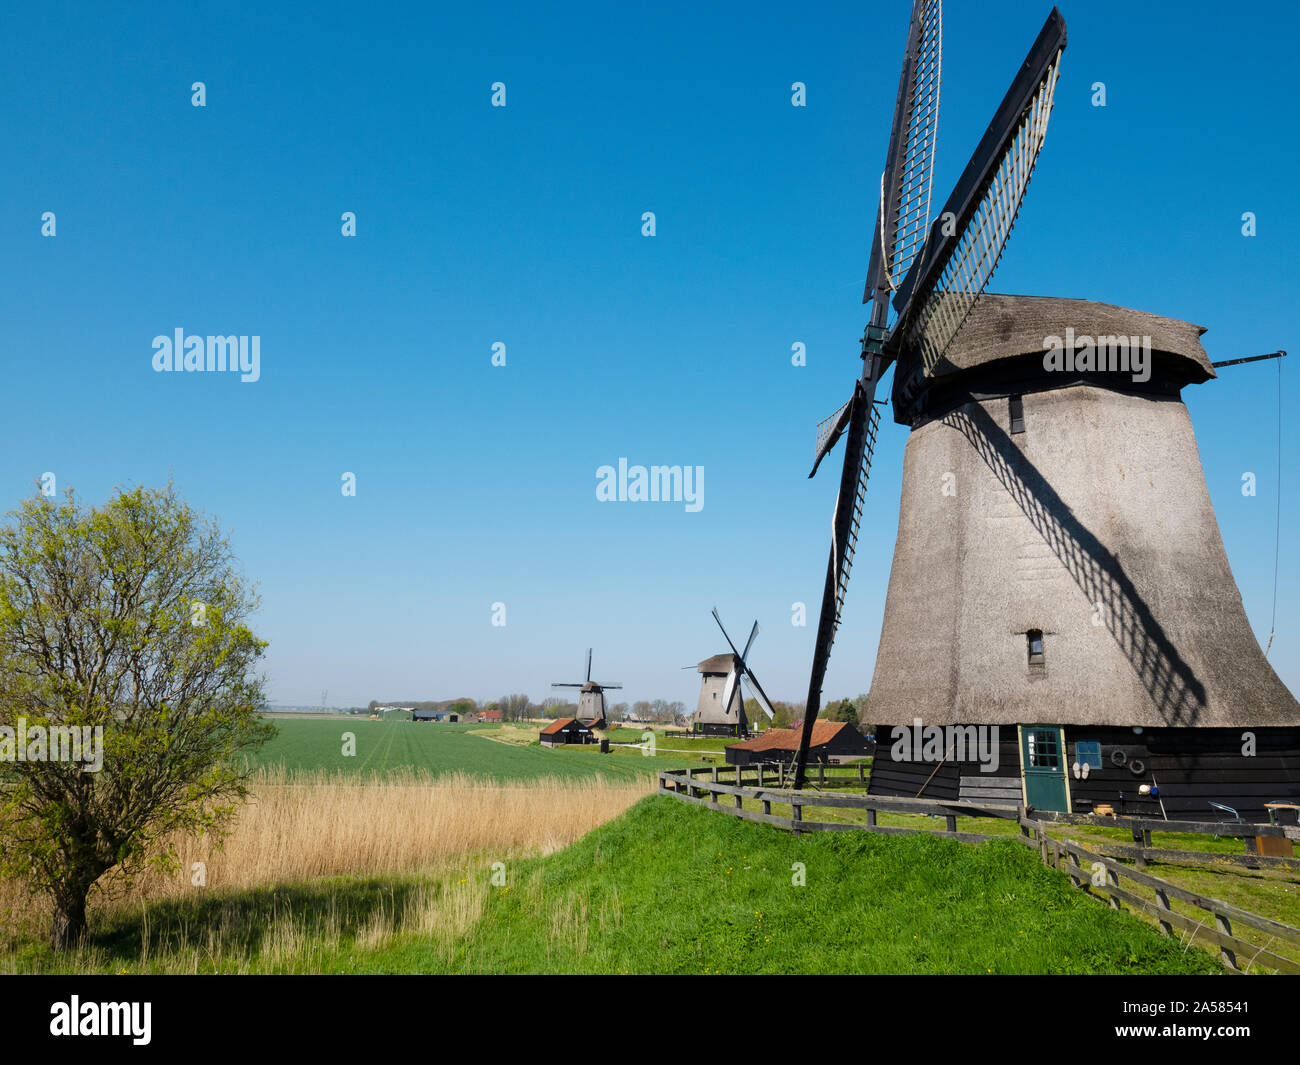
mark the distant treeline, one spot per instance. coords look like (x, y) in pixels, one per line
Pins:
(519, 707)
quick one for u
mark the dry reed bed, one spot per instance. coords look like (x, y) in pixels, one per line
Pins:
(296, 827)
(300, 827)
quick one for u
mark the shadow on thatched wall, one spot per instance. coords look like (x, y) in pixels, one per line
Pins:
(1178, 696)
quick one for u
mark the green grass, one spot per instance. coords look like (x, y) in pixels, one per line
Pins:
(1272, 893)
(439, 748)
(670, 888)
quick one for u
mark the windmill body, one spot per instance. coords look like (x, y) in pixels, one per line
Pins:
(1059, 583)
(1062, 628)
(591, 698)
(591, 705)
(721, 709)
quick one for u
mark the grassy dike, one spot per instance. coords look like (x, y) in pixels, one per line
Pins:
(662, 888)
(670, 888)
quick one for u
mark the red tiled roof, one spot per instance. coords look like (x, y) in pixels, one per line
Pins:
(787, 739)
(557, 725)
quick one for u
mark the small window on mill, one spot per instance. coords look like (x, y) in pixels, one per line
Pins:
(1034, 638)
(1017, 414)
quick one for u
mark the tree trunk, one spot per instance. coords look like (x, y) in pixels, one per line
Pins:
(69, 920)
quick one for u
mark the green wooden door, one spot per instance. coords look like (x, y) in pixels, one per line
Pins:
(1042, 761)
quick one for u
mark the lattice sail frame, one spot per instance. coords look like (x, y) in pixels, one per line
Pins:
(842, 551)
(976, 253)
(911, 217)
(831, 427)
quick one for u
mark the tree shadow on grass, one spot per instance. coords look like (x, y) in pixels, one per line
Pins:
(238, 923)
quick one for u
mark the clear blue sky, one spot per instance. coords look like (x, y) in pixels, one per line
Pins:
(523, 225)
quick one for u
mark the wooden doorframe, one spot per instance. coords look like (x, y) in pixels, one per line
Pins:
(1065, 772)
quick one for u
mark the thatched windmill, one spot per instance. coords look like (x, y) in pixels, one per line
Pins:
(1059, 586)
(721, 709)
(591, 700)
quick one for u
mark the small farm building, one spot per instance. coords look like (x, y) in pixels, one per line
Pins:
(564, 731)
(832, 742)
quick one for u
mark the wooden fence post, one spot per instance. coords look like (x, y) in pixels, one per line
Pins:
(796, 816)
(862, 774)
(1162, 900)
(821, 775)
(871, 818)
(1076, 876)
(1139, 838)
(760, 774)
(1225, 926)
(713, 795)
(1112, 879)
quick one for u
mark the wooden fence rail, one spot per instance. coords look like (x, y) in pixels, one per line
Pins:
(687, 785)
(1069, 856)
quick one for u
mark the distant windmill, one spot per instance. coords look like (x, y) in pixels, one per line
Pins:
(721, 710)
(591, 701)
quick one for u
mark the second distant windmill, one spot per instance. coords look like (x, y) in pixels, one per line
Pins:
(591, 701)
(721, 710)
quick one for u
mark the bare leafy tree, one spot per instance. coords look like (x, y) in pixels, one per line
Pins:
(131, 619)
(513, 707)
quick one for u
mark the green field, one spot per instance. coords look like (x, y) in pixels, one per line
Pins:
(677, 744)
(670, 888)
(438, 748)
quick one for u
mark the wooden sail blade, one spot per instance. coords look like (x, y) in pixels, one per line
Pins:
(849, 506)
(759, 693)
(967, 239)
(829, 431)
(903, 215)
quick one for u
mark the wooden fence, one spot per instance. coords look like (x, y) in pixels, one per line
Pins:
(1105, 874)
(1142, 850)
(704, 787)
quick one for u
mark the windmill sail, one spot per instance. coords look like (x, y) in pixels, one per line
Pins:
(903, 216)
(759, 693)
(829, 431)
(946, 273)
(849, 505)
(740, 669)
(588, 682)
(967, 240)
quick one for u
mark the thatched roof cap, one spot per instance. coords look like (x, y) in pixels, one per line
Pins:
(723, 663)
(1003, 327)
